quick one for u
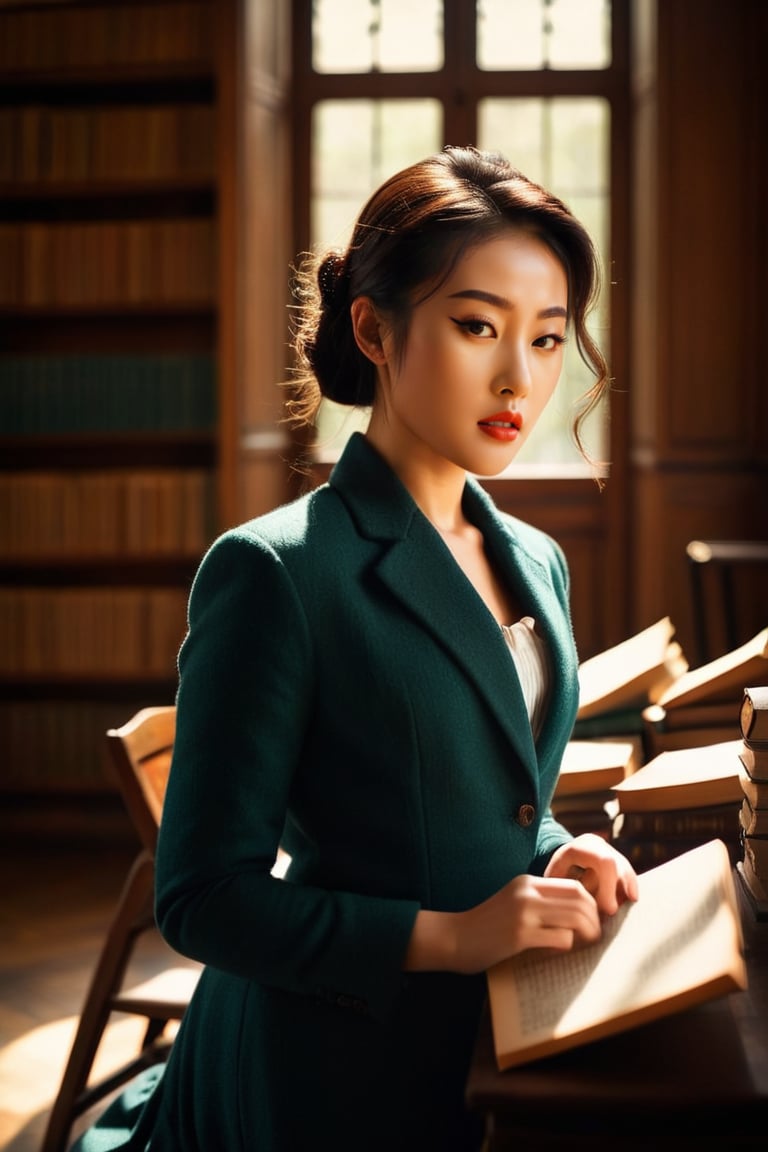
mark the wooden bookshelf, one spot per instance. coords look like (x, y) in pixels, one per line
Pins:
(109, 369)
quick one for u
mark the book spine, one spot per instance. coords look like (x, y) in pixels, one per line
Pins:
(717, 820)
(120, 512)
(753, 719)
(90, 632)
(51, 395)
(757, 885)
(56, 743)
(125, 145)
(755, 762)
(756, 794)
(704, 715)
(645, 853)
(658, 740)
(755, 850)
(115, 35)
(116, 263)
(753, 821)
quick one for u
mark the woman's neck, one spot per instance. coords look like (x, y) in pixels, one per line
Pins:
(435, 484)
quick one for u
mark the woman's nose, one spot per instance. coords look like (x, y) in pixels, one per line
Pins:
(514, 377)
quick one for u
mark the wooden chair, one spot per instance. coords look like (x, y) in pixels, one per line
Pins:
(140, 752)
(723, 558)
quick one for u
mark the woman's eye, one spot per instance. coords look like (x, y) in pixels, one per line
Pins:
(550, 342)
(475, 327)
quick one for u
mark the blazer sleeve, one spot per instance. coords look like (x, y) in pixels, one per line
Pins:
(245, 690)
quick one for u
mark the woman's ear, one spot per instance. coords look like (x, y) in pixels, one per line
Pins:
(368, 329)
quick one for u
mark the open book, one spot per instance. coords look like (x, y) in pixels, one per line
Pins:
(679, 945)
(722, 679)
(632, 673)
(684, 778)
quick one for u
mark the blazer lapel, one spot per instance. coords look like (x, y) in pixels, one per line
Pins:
(535, 592)
(419, 570)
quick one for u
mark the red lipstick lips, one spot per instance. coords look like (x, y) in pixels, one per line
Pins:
(502, 426)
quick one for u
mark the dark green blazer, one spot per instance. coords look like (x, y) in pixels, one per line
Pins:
(345, 692)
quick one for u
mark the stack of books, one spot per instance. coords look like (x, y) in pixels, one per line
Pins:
(617, 683)
(583, 800)
(678, 800)
(753, 816)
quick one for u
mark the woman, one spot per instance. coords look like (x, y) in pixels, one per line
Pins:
(381, 678)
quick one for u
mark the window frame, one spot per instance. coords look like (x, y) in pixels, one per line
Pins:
(459, 85)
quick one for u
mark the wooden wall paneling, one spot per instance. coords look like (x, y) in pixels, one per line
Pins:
(757, 132)
(229, 70)
(689, 505)
(698, 450)
(648, 286)
(262, 256)
(705, 402)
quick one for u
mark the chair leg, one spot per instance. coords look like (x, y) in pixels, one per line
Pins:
(128, 922)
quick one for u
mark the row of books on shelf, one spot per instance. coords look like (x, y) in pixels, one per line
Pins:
(59, 37)
(115, 512)
(59, 743)
(48, 395)
(135, 143)
(113, 262)
(91, 631)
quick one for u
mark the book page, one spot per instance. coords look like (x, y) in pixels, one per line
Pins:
(683, 778)
(679, 943)
(624, 675)
(728, 674)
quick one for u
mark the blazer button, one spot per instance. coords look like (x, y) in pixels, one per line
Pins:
(526, 814)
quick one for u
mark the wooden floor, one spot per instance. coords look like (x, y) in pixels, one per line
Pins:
(54, 910)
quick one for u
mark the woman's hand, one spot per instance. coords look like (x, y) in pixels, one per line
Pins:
(528, 912)
(603, 871)
(585, 880)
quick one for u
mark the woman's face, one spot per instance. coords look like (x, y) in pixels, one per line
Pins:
(481, 359)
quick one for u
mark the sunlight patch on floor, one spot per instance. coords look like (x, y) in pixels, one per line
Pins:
(31, 1066)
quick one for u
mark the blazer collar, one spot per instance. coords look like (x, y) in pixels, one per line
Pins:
(418, 569)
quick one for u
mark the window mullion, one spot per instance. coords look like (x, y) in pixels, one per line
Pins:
(460, 99)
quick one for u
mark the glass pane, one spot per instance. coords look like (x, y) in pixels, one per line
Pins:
(377, 35)
(357, 144)
(521, 35)
(564, 144)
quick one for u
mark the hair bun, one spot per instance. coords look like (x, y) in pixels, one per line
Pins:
(330, 274)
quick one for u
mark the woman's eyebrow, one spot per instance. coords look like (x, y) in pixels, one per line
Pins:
(501, 302)
(479, 294)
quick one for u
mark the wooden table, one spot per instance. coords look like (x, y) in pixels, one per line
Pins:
(695, 1080)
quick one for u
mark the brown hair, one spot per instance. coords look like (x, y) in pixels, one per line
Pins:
(407, 239)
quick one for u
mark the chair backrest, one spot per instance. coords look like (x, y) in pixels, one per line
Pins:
(140, 752)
